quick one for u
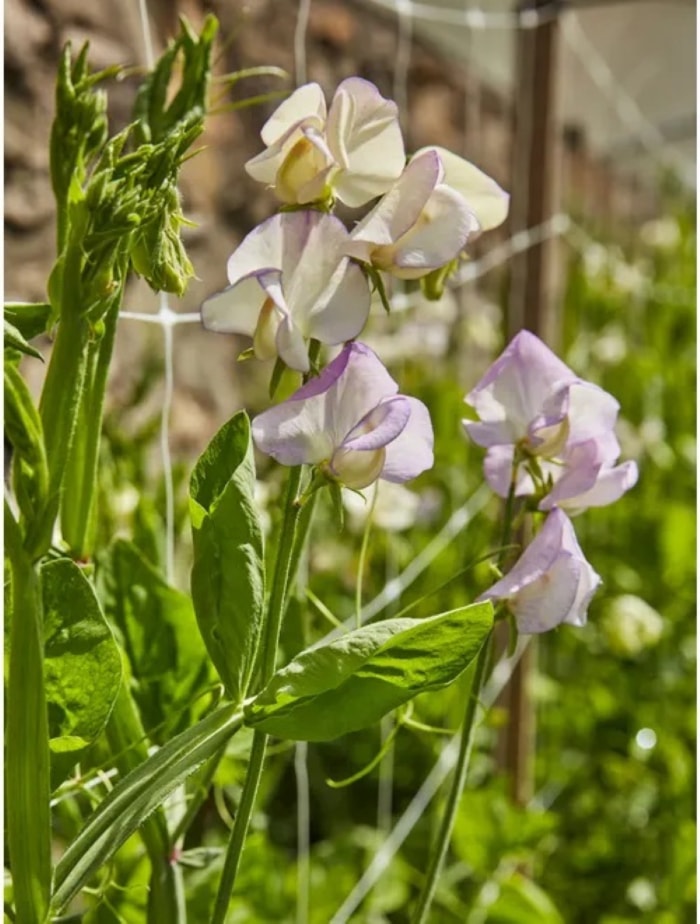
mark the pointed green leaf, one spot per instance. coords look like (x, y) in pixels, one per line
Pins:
(82, 664)
(168, 659)
(228, 575)
(351, 683)
(134, 798)
(13, 340)
(30, 318)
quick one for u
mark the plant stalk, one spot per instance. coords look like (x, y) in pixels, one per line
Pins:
(420, 915)
(27, 765)
(278, 597)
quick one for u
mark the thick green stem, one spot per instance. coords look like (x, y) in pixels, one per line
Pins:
(61, 395)
(27, 770)
(420, 915)
(80, 478)
(278, 596)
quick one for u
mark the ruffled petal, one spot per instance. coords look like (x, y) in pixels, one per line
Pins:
(328, 296)
(412, 451)
(484, 196)
(515, 389)
(399, 210)
(363, 133)
(608, 487)
(440, 234)
(307, 100)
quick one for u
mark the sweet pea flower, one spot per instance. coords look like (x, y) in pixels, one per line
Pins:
(529, 401)
(289, 281)
(428, 216)
(350, 422)
(551, 583)
(354, 150)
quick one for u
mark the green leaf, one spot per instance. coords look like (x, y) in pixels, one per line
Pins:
(351, 683)
(13, 340)
(134, 798)
(30, 318)
(228, 574)
(30, 468)
(522, 901)
(168, 659)
(82, 664)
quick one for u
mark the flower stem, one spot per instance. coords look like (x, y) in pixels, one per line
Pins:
(420, 915)
(286, 555)
(363, 556)
(467, 736)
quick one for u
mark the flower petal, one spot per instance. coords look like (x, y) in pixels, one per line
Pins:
(363, 133)
(609, 486)
(291, 345)
(444, 228)
(382, 425)
(307, 100)
(328, 296)
(515, 389)
(235, 310)
(400, 208)
(483, 195)
(412, 451)
(260, 250)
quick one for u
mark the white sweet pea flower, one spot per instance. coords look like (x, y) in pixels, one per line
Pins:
(355, 150)
(551, 583)
(350, 422)
(425, 221)
(289, 282)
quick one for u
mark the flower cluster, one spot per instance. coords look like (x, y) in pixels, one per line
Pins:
(550, 437)
(301, 276)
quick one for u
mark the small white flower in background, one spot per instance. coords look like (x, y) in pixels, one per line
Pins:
(289, 281)
(351, 422)
(395, 509)
(425, 220)
(354, 150)
(630, 625)
(551, 583)
(662, 233)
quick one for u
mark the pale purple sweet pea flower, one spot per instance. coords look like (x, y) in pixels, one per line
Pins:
(532, 402)
(551, 583)
(289, 281)
(355, 150)
(351, 422)
(423, 223)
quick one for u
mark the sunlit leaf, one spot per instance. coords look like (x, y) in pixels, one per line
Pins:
(351, 683)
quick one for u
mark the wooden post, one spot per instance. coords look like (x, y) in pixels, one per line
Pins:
(530, 305)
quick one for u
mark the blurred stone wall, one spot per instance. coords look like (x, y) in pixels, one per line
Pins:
(445, 107)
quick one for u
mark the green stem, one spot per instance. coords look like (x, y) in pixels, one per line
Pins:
(61, 395)
(420, 915)
(466, 741)
(363, 556)
(80, 478)
(276, 606)
(27, 769)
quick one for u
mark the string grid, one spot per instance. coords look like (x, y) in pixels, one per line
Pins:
(559, 225)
